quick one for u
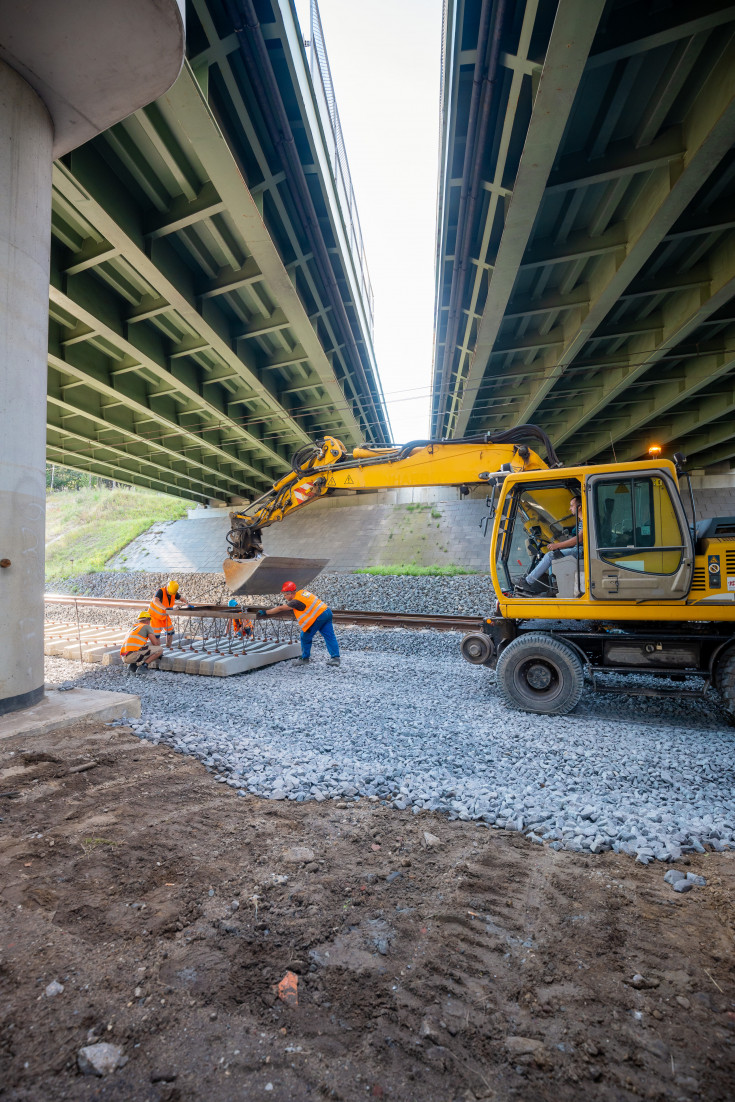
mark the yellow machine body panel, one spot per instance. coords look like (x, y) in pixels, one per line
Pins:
(638, 561)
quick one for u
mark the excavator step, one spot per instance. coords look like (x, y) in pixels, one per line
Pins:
(267, 573)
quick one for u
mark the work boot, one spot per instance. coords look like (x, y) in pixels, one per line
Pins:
(142, 667)
(333, 661)
(300, 662)
(132, 668)
(530, 589)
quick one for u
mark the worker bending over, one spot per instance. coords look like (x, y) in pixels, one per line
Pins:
(166, 597)
(142, 645)
(241, 629)
(312, 615)
(532, 585)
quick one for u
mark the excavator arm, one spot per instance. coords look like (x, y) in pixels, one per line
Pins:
(325, 466)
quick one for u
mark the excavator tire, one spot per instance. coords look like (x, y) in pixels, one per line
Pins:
(538, 673)
(725, 681)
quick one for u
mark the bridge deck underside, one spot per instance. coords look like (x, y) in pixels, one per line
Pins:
(195, 342)
(586, 254)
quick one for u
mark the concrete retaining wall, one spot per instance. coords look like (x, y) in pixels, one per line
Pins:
(428, 527)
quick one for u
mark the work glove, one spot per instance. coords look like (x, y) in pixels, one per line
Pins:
(261, 614)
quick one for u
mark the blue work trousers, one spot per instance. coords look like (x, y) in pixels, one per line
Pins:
(546, 562)
(323, 623)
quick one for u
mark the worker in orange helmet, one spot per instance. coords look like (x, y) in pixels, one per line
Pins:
(166, 597)
(312, 616)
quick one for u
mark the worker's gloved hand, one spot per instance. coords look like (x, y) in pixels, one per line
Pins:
(261, 614)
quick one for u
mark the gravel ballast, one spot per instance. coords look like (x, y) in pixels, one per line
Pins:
(406, 721)
(463, 595)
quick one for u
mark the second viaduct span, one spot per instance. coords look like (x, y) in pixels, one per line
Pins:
(586, 243)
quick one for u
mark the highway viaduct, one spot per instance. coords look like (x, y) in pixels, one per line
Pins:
(210, 308)
(586, 245)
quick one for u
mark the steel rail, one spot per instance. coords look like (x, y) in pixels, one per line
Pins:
(359, 617)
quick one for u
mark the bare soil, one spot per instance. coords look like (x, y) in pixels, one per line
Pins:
(484, 967)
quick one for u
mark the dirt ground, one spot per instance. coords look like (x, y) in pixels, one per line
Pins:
(481, 967)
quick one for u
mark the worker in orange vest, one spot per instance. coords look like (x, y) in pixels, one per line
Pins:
(243, 629)
(312, 616)
(142, 645)
(166, 597)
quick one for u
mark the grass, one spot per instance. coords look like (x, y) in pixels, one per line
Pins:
(85, 528)
(416, 571)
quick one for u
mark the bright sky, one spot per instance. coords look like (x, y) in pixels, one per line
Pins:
(385, 59)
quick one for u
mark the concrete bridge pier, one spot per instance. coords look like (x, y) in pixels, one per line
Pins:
(26, 141)
(67, 72)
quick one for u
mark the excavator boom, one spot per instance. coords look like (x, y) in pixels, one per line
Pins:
(327, 466)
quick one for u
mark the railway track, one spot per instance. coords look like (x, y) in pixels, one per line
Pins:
(358, 617)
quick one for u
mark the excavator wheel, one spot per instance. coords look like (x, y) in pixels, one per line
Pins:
(538, 673)
(726, 684)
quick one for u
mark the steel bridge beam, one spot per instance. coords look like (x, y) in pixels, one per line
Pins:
(571, 39)
(707, 134)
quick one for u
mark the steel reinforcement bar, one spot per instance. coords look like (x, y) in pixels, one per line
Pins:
(358, 618)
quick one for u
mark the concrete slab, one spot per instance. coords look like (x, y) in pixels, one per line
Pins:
(211, 657)
(253, 660)
(58, 710)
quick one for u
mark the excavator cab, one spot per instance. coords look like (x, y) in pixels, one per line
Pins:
(637, 544)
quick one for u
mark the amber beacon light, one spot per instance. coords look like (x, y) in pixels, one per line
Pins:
(654, 451)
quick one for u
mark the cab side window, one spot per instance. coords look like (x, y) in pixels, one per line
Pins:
(637, 527)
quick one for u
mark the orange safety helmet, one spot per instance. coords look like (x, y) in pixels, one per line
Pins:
(288, 587)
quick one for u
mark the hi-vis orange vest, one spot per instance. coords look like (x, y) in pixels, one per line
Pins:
(159, 617)
(313, 608)
(240, 625)
(134, 641)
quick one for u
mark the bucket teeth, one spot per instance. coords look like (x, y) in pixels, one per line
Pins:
(267, 573)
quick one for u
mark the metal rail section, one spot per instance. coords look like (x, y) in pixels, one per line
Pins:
(208, 311)
(222, 614)
(585, 250)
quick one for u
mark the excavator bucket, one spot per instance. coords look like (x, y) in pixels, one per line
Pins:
(267, 573)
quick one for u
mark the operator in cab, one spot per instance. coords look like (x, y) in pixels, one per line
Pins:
(533, 584)
(241, 628)
(312, 616)
(166, 597)
(142, 645)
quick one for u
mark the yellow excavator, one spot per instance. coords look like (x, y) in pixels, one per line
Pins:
(643, 589)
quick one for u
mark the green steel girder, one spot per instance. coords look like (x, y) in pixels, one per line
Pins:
(62, 438)
(162, 271)
(131, 393)
(717, 454)
(707, 131)
(223, 54)
(184, 348)
(79, 461)
(679, 425)
(154, 377)
(621, 262)
(131, 441)
(680, 317)
(569, 46)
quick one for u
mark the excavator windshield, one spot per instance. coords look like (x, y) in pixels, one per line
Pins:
(532, 517)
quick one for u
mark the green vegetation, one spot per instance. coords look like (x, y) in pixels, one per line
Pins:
(85, 528)
(415, 571)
